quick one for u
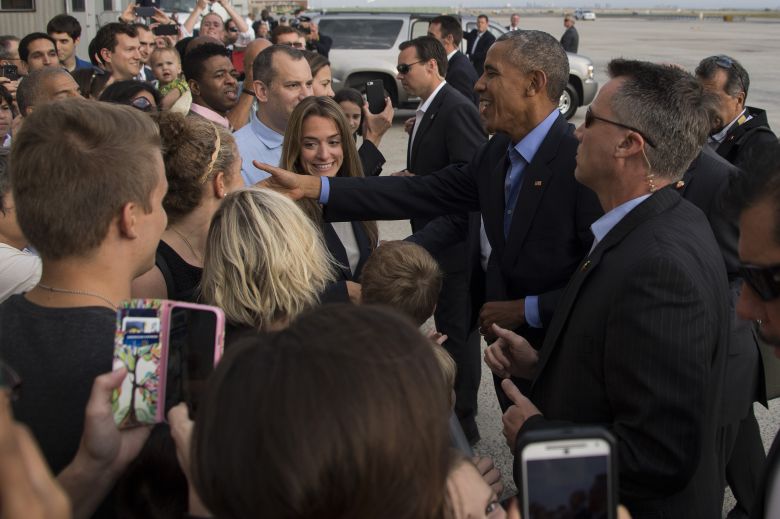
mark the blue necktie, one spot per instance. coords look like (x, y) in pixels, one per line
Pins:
(512, 184)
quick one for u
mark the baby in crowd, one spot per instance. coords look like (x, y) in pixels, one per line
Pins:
(166, 67)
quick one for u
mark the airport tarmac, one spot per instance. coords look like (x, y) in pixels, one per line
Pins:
(684, 42)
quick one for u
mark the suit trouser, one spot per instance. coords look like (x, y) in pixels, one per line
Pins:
(746, 460)
(453, 318)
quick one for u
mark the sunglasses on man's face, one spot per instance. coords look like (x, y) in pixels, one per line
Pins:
(590, 117)
(404, 68)
(727, 63)
(765, 281)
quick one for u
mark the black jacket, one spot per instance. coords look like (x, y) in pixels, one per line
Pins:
(462, 76)
(477, 55)
(742, 137)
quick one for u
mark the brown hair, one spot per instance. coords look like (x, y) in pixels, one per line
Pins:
(340, 415)
(76, 164)
(293, 143)
(404, 276)
(189, 145)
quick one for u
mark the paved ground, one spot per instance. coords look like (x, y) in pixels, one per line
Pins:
(680, 41)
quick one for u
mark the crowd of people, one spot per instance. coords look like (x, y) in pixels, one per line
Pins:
(623, 274)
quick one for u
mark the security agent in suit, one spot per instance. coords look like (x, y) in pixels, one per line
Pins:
(460, 72)
(755, 196)
(704, 184)
(447, 131)
(478, 41)
(571, 38)
(639, 339)
(536, 215)
(737, 128)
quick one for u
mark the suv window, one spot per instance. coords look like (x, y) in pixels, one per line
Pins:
(353, 33)
(419, 28)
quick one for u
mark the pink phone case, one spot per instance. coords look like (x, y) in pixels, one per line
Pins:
(141, 345)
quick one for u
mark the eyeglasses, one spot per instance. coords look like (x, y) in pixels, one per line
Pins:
(143, 104)
(404, 68)
(294, 44)
(765, 281)
(727, 63)
(10, 379)
(590, 117)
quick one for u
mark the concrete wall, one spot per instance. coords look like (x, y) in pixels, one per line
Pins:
(21, 23)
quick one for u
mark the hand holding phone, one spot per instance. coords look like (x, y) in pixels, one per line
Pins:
(9, 71)
(169, 349)
(169, 29)
(144, 12)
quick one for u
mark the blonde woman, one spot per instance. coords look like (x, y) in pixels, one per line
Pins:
(318, 142)
(202, 166)
(265, 262)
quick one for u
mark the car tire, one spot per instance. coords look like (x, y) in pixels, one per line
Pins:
(569, 102)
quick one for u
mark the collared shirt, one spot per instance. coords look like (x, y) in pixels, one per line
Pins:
(81, 64)
(424, 105)
(257, 141)
(601, 227)
(520, 155)
(451, 54)
(211, 115)
(476, 40)
(717, 138)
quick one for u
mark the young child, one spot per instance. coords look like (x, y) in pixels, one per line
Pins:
(351, 102)
(166, 67)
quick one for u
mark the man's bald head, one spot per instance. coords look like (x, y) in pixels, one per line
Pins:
(252, 50)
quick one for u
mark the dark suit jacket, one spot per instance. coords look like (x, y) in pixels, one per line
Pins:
(549, 234)
(462, 76)
(449, 133)
(638, 344)
(337, 291)
(570, 41)
(704, 185)
(477, 55)
(741, 138)
(771, 470)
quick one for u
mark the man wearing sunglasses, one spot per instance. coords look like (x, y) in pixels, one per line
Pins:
(737, 127)
(756, 196)
(446, 131)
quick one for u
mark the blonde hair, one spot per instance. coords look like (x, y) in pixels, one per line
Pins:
(293, 143)
(404, 276)
(265, 261)
(448, 369)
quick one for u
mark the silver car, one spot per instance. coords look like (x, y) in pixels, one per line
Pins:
(365, 48)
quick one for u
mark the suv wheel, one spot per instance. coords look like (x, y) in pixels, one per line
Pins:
(569, 102)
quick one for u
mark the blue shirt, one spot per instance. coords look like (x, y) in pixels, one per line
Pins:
(603, 225)
(256, 141)
(520, 155)
(80, 64)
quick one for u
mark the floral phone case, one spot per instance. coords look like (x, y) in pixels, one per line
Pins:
(140, 347)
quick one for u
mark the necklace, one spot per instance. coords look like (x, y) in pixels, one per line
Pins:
(188, 244)
(77, 292)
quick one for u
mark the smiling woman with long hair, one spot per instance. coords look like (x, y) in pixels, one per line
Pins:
(318, 142)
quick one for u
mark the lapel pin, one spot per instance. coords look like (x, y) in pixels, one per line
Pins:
(680, 184)
(585, 266)
(537, 183)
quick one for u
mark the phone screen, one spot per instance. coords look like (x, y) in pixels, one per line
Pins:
(191, 344)
(567, 481)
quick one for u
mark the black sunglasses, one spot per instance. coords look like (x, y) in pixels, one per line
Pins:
(10, 379)
(727, 63)
(765, 281)
(404, 68)
(590, 117)
(143, 104)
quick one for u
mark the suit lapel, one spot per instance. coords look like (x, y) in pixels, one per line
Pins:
(425, 124)
(659, 202)
(364, 246)
(336, 248)
(493, 211)
(536, 178)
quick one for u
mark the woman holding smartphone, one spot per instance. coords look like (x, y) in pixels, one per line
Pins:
(318, 142)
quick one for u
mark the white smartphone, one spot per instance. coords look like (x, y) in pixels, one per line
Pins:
(568, 473)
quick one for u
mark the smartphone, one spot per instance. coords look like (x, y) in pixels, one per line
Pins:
(10, 71)
(144, 12)
(168, 29)
(570, 469)
(169, 349)
(375, 95)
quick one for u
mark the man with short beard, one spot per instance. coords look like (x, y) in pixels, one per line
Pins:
(211, 78)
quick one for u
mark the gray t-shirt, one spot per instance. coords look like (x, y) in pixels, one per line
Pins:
(57, 352)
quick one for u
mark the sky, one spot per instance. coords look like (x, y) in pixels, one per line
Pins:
(699, 4)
